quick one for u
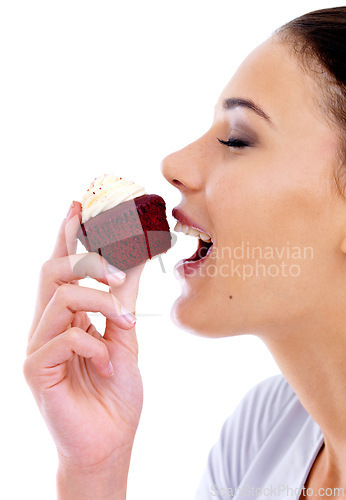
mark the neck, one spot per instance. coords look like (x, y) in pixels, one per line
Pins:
(313, 361)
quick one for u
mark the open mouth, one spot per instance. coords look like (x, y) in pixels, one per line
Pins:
(202, 250)
(205, 242)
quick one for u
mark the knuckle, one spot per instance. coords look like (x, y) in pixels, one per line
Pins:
(73, 334)
(27, 369)
(62, 293)
(46, 268)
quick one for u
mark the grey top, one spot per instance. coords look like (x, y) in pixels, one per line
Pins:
(266, 447)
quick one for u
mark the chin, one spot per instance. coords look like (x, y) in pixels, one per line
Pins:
(194, 318)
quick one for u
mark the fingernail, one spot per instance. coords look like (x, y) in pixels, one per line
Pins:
(110, 369)
(130, 318)
(120, 275)
(70, 210)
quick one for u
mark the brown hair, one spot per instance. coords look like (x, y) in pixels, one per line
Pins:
(319, 39)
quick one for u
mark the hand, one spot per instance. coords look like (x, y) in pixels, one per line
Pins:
(87, 386)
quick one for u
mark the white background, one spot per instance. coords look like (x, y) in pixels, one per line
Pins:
(112, 87)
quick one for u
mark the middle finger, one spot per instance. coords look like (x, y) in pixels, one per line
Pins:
(69, 299)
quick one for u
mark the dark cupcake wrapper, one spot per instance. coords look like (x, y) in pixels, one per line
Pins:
(129, 233)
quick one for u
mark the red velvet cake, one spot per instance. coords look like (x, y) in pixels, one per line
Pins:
(130, 232)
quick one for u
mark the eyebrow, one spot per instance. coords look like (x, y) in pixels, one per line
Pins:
(233, 102)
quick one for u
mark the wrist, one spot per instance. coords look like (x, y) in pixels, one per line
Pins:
(105, 481)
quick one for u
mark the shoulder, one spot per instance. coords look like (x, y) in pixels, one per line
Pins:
(266, 406)
(265, 403)
(245, 431)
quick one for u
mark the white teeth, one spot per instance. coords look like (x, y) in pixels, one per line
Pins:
(204, 237)
(183, 228)
(193, 232)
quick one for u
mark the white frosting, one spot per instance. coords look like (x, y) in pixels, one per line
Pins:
(106, 192)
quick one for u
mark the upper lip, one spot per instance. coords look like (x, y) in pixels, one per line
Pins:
(185, 219)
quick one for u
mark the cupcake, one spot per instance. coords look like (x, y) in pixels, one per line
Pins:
(123, 223)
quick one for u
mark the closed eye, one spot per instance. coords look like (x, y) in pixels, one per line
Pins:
(234, 142)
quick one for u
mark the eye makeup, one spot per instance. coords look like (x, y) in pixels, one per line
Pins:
(234, 142)
(240, 135)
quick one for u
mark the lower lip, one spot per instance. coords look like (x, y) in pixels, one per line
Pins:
(186, 267)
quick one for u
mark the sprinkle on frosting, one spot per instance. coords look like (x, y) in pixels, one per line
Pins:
(106, 192)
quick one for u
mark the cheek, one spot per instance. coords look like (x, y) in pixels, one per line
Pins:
(269, 200)
(270, 236)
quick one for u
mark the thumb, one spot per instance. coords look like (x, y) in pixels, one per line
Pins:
(127, 296)
(128, 292)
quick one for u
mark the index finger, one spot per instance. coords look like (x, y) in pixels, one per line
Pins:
(66, 243)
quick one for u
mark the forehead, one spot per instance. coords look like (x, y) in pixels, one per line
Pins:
(272, 78)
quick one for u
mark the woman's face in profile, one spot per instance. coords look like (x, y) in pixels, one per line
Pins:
(268, 200)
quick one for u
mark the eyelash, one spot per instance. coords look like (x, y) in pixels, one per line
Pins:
(234, 143)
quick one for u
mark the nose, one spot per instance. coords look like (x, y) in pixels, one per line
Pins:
(184, 168)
